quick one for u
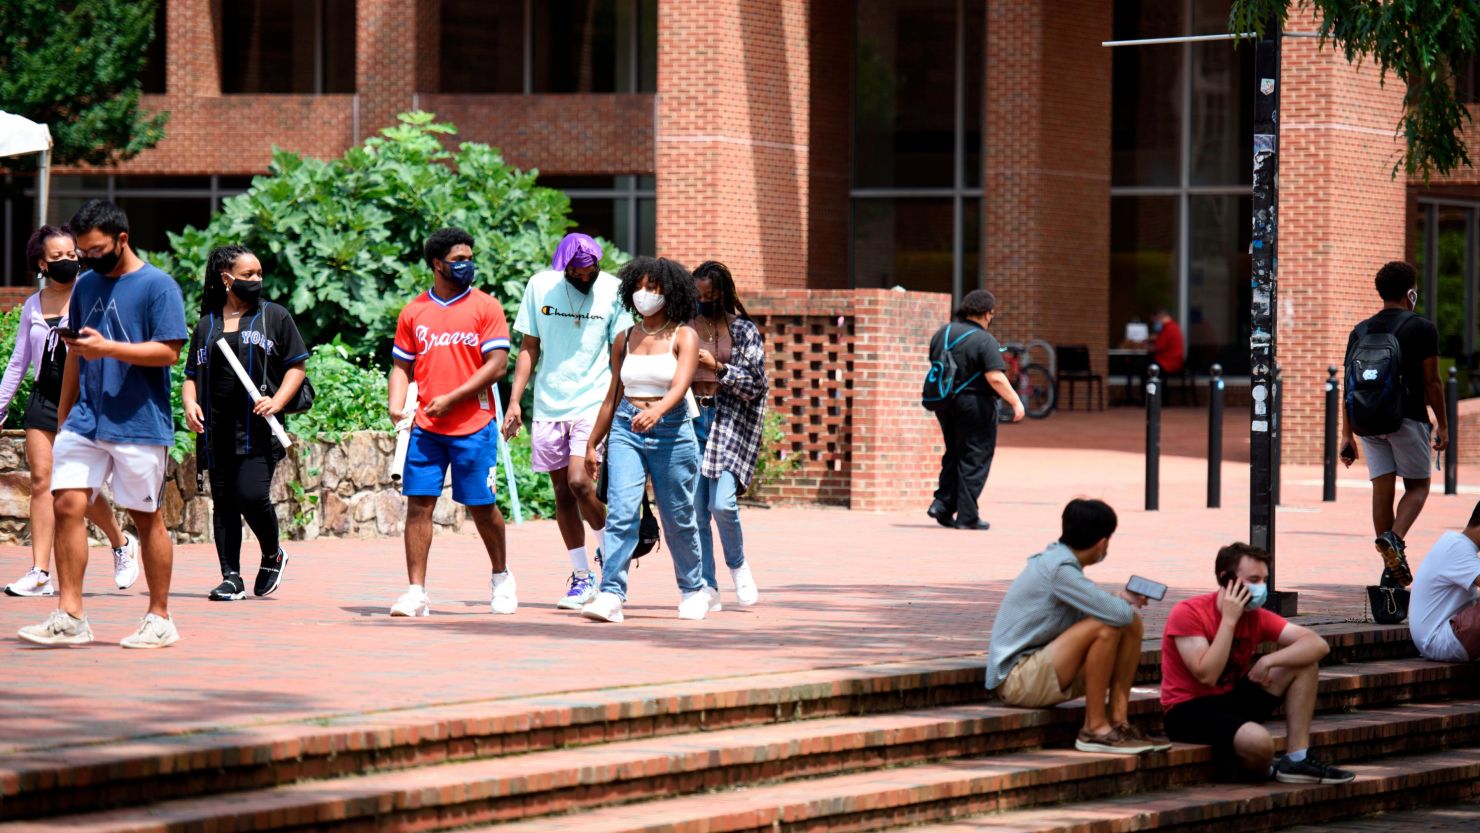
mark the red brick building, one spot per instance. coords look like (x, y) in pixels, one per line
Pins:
(831, 150)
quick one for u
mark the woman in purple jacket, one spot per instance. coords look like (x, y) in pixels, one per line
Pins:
(52, 252)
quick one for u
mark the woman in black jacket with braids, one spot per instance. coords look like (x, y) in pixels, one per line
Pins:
(234, 442)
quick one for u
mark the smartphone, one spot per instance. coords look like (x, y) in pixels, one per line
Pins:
(1146, 587)
(1349, 452)
(68, 332)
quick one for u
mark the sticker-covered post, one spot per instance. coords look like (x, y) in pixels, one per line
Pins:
(1263, 333)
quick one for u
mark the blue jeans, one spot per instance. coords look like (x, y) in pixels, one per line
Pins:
(717, 498)
(669, 454)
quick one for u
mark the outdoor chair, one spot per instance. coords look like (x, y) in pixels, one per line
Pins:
(1075, 367)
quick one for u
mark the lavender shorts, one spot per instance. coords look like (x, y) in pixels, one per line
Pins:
(552, 444)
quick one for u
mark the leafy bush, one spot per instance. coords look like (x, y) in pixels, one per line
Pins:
(340, 240)
(10, 321)
(773, 462)
(536, 495)
(348, 396)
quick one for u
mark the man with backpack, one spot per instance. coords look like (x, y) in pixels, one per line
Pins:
(967, 376)
(1392, 379)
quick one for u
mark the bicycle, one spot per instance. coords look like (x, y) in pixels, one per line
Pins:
(1033, 382)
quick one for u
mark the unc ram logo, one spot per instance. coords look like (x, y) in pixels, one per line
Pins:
(1369, 375)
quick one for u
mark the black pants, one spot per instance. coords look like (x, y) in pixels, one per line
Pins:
(969, 425)
(239, 489)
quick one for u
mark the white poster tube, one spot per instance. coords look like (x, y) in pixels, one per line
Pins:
(241, 373)
(403, 435)
(503, 454)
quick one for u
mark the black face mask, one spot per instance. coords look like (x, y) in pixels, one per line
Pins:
(583, 287)
(249, 292)
(707, 308)
(63, 271)
(105, 264)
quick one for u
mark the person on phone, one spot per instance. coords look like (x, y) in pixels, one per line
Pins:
(1444, 610)
(968, 423)
(233, 441)
(1406, 452)
(1058, 636)
(1213, 690)
(570, 315)
(52, 251)
(649, 413)
(115, 419)
(453, 340)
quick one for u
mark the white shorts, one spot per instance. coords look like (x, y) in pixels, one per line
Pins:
(553, 443)
(1407, 451)
(137, 471)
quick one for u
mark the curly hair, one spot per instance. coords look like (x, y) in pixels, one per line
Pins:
(669, 277)
(36, 243)
(726, 298)
(222, 259)
(1394, 280)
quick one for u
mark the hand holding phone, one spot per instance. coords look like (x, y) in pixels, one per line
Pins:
(1154, 590)
(68, 333)
(1348, 452)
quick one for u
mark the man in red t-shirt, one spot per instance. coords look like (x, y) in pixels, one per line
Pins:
(1169, 351)
(1214, 692)
(454, 341)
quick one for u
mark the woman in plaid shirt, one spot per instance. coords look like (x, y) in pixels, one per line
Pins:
(730, 388)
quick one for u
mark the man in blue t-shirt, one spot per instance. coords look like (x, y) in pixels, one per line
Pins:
(114, 418)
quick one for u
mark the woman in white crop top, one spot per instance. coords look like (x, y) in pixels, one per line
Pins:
(647, 423)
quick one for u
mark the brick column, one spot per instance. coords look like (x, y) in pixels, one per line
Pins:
(733, 137)
(1342, 215)
(1047, 170)
(385, 83)
(193, 64)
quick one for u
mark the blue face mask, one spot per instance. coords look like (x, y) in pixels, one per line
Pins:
(1258, 593)
(460, 272)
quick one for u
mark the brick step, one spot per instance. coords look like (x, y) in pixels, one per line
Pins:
(124, 773)
(543, 783)
(1384, 786)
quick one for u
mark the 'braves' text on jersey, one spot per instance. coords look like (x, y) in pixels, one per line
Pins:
(446, 342)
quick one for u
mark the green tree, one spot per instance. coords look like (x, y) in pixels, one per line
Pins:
(340, 240)
(1423, 43)
(78, 71)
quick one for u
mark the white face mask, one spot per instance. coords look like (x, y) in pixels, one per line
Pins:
(647, 302)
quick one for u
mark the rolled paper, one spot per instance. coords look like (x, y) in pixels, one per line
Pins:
(241, 373)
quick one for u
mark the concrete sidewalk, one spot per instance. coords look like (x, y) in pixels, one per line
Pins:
(838, 589)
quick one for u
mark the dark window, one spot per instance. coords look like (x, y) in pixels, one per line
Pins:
(906, 243)
(288, 46)
(1143, 259)
(904, 127)
(482, 46)
(153, 76)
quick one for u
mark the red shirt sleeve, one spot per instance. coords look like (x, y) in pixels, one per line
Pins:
(404, 347)
(1271, 625)
(1185, 620)
(495, 329)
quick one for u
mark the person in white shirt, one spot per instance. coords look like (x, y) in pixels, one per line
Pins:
(1444, 610)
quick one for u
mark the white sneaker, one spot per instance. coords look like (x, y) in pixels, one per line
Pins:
(154, 632)
(412, 603)
(579, 592)
(715, 605)
(36, 582)
(126, 563)
(746, 593)
(505, 593)
(606, 607)
(60, 628)
(694, 605)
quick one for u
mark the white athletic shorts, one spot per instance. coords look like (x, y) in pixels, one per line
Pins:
(137, 471)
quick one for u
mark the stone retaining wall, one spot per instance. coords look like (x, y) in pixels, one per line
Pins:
(321, 490)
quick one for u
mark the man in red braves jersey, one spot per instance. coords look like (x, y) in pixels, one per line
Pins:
(454, 341)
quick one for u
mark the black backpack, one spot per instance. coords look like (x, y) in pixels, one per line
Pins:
(941, 384)
(1374, 381)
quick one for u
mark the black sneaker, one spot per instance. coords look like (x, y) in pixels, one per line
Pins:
(1395, 557)
(270, 574)
(1310, 771)
(231, 589)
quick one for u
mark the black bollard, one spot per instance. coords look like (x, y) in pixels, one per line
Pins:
(1153, 438)
(1215, 437)
(1451, 453)
(1328, 484)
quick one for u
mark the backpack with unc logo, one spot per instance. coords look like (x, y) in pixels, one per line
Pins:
(1374, 381)
(941, 383)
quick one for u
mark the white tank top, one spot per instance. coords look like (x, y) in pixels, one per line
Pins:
(650, 376)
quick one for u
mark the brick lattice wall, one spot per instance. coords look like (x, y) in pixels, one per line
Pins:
(846, 369)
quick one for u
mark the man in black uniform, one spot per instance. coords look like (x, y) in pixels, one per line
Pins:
(968, 420)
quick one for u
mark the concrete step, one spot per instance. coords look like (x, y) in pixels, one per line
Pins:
(1393, 784)
(537, 785)
(48, 781)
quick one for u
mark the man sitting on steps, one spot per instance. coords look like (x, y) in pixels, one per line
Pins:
(1057, 635)
(1214, 693)
(1444, 614)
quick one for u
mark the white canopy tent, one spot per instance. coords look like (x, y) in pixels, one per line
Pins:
(20, 136)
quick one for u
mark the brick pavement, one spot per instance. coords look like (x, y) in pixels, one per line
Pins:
(838, 589)
(1446, 819)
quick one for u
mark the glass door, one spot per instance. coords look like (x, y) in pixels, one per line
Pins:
(1449, 285)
